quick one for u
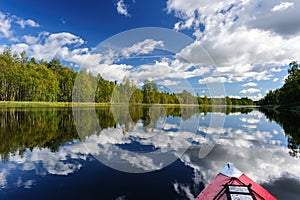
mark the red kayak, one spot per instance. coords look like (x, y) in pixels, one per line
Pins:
(232, 184)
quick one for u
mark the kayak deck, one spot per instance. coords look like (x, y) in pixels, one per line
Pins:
(232, 184)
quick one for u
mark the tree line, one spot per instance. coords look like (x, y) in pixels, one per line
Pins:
(289, 93)
(24, 79)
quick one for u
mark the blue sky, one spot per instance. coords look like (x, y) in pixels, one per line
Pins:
(235, 48)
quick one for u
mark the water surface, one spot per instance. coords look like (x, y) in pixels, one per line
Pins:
(143, 152)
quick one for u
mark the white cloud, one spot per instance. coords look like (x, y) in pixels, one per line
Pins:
(122, 8)
(160, 70)
(250, 120)
(144, 47)
(20, 47)
(282, 6)
(29, 22)
(250, 91)
(46, 46)
(30, 39)
(115, 72)
(5, 25)
(235, 96)
(26, 184)
(239, 35)
(249, 126)
(6, 21)
(213, 80)
(83, 58)
(274, 69)
(168, 83)
(256, 97)
(3, 180)
(184, 190)
(275, 79)
(285, 22)
(250, 84)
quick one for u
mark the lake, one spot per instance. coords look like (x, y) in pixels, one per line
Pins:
(143, 152)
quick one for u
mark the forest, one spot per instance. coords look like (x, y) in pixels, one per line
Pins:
(26, 79)
(289, 94)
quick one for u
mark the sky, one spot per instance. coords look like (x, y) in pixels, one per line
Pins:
(236, 48)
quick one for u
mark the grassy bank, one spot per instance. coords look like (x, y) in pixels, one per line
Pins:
(39, 104)
(42, 104)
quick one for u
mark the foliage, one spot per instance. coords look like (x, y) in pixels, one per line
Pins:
(21, 80)
(289, 93)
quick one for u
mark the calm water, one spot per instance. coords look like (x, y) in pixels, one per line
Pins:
(143, 152)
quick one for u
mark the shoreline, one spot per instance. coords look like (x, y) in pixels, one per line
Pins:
(40, 104)
(282, 108)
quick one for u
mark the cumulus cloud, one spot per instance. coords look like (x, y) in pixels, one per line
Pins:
(213, 80)
(28, 22)
(30, 39)
(250, 84)
(256, 97)
(46, 45)
(144, 47)
(250, 120)
(282, 6)
(5, 25)
(115, 72)
(283, 22)
(122, 8)
(167, 69)
(238, 34)
(276, 69)
(6, 21)
(3, 175)
(250, 91)
(168, 82)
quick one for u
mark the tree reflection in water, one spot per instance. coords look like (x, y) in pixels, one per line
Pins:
(290, 123)
(27, 128)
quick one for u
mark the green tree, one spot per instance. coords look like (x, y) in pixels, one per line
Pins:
(24, 57)
(205, 101)
(186, 97)
(150, 92)
(104, 90)
(289, 93)
(228, 101)
(84, 87)
(291, 87)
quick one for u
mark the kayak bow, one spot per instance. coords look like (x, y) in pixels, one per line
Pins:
(232, 184)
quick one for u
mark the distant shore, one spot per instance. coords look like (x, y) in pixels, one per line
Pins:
(47, 104)
(40, 104)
